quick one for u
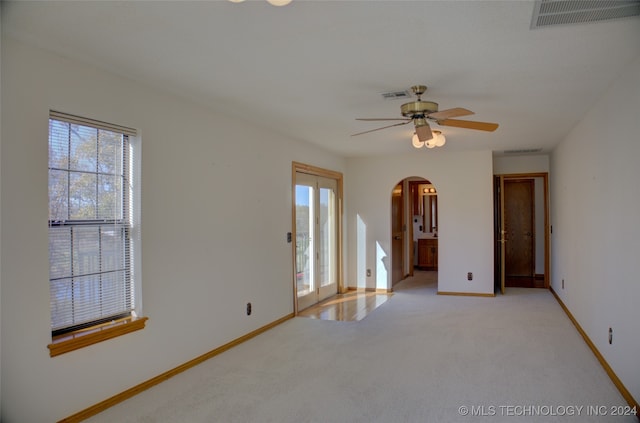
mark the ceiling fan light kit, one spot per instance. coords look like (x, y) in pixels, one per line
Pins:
(279, 2)
(420, 112)
(271, 2)
(437, 140)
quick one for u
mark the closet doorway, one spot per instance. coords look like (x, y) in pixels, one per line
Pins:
(521, 231)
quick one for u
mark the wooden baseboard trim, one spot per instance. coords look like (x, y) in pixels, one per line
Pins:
(614, 378)
(376, 290)
(467, 294)
(110, 402)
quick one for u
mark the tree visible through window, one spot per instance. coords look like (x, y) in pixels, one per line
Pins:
(90, 273)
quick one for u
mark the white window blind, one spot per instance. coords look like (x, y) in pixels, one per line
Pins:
(90, 220)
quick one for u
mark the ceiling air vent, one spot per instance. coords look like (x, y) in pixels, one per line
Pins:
(393, 95)
(523, 151)
(563, 12)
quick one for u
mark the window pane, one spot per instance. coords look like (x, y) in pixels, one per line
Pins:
(83, 196)
(61, 300)
(86, 299)
(86, 250)
(59, 252)
(58, 195)
(110, 153)
(83, 151)
(109, 197)
(113, 248)
(116, 298)
(58, 144)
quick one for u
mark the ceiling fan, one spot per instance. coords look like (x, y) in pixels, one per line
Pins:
(420, 112)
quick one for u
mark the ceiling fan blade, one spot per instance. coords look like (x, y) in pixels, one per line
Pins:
(376, 119)
(449, 113)
(424, 132)
(384, 127)
(482, 126)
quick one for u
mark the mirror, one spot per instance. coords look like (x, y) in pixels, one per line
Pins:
(429, 208)
(425, 205)
(430, 216)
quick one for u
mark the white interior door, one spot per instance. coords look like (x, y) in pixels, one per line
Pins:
(316, 239)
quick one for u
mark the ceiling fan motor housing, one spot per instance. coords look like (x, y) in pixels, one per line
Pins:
(418, 107)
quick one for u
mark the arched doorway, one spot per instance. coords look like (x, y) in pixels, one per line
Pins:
(414, 228)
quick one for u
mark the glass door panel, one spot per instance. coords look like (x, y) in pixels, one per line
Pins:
(305, 193)
(327, 237)
(304, 244)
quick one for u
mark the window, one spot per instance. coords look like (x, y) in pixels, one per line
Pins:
(91, 219)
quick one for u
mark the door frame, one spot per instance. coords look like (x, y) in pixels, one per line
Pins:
(499, 222)
(297, 167)
(413, 204)
(399, 217)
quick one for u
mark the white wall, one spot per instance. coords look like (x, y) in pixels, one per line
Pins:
(216, 207)
(596, 231)
(465, 217)
(530, 163)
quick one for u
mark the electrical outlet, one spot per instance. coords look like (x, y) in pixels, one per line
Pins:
(368, 272)
(469, 276)
(248, 309)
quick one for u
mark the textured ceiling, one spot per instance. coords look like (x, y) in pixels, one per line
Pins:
(309, 69)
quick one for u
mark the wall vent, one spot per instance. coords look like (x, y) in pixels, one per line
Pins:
(564, 12)
(523, 151)
(393, 95)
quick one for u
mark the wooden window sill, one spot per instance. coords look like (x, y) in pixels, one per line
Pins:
(83, 338)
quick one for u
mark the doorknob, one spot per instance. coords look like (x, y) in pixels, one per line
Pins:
(397, 237)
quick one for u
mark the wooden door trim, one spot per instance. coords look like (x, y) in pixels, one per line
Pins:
(547, 232)
(297, 167)
(403, 231)
(499, 233)
(412, 200)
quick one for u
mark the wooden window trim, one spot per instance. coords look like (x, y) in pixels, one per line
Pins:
(83, 338)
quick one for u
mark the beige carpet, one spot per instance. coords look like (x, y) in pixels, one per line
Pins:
(419, 357)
